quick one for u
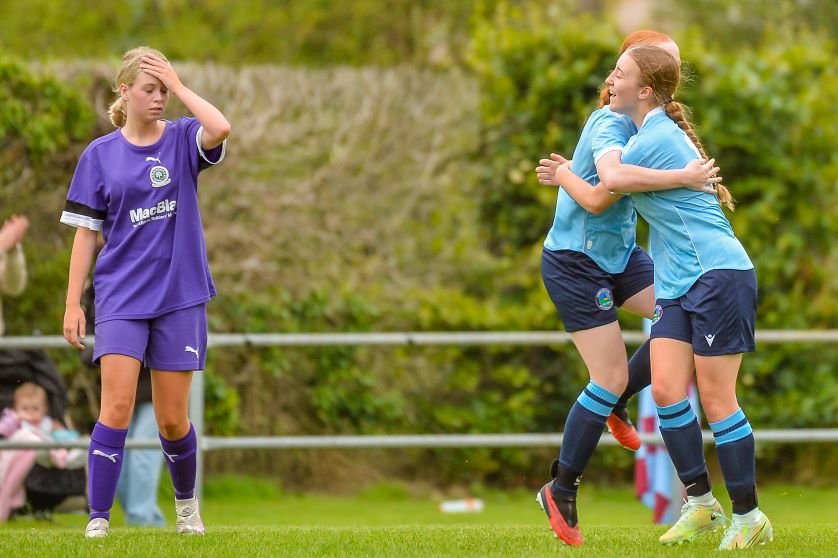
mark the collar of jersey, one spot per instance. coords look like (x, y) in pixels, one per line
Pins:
(650, 114)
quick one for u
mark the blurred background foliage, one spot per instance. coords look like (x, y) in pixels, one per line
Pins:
(380, 179)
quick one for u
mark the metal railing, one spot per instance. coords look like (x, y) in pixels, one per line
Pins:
(465, 338)
(216, 443)
(413, 338)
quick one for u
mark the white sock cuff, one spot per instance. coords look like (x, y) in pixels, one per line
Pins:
(703, 500)
(752, 516)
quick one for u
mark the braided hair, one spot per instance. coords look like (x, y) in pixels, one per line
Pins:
(659, 71)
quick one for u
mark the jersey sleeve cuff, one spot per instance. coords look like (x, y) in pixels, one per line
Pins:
(204, 155)
(78, 214)
(603, 152)
(83, 221)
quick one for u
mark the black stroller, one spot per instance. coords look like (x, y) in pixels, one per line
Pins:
(46, 487)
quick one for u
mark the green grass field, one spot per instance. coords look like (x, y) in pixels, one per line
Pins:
(248, 518)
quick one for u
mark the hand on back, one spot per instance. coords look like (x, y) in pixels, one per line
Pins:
(701, 175)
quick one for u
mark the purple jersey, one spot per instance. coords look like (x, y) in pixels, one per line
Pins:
(144, 199)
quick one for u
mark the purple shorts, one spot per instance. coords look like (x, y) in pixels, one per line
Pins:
(173, 341)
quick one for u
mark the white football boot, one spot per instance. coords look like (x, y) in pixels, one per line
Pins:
(188, 519)
(98, 528)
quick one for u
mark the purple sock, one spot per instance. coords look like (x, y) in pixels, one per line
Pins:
(181, 458)
(104, 463)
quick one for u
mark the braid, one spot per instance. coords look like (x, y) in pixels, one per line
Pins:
(676, 111)
(661, 72)
(680, 115)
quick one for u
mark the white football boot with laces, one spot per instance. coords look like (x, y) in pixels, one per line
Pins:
(188, 520)
(98, 528)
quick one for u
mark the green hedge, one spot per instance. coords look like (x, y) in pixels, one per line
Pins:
(43, 122)
(760, 111)
(478, 226)
(310, 33)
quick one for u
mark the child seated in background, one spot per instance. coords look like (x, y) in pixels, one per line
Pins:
(27, 420)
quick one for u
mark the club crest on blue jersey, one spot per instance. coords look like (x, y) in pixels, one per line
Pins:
(656, 315)
(159, 176)
(604, 300)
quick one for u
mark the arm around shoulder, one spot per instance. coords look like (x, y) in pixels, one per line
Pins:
(593, 199)
(617, 176)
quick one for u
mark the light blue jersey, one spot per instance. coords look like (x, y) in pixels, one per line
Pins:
(689, 233)
(607, 238)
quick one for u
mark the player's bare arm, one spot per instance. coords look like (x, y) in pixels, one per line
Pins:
(81, 257)
(594, 199)
(699, 175)
(216, 127)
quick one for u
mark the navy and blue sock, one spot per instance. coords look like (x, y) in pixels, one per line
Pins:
(735, 448)
(582, 431)
(682, 435)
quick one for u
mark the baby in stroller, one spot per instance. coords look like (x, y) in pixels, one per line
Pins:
(27, 421)
(43, 477)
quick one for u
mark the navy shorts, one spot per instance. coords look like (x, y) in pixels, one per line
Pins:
(716, 315)
(586, 296)
(173, 341)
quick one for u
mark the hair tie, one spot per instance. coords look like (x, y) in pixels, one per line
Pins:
(668, 100)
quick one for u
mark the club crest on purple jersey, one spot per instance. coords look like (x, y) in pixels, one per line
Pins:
(159, 176)
(145, 201)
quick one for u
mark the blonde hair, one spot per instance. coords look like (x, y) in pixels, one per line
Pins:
(660, 71)
(128, 71)
(30, 390)
(642, 37)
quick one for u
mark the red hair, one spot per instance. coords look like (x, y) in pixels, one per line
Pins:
(642, 37)
(660, 71)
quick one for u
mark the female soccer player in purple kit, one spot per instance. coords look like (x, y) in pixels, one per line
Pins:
(138, 185)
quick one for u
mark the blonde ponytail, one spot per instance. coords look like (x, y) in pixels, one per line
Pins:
(127, 73)
(118, 113)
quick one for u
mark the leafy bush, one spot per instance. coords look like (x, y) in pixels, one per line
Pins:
(42, 120)
(539, 74)
(404, 199)
(761, 112)
(311, 33)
